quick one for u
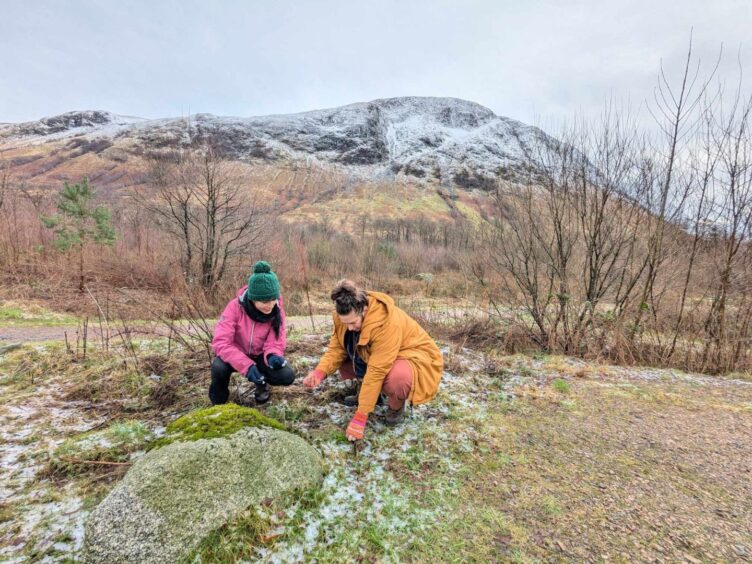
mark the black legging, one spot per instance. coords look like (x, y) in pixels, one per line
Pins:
(219, 390)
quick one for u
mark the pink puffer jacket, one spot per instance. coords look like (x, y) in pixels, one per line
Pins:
(237, 336)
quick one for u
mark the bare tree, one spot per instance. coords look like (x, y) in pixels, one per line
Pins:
(733, 143)
(700, 217)
(568, 237)
(655, 231)
(675, 111)
(5, 181)
(204, 202)
(12, 216)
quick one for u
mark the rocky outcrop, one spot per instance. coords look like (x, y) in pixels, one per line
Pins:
(69, 122)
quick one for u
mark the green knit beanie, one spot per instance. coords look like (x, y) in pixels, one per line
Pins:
(263, 284)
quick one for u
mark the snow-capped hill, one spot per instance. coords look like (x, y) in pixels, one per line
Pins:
(378, 132)
(446, 112)
(69, 123)
(446, 139)
(452, 140)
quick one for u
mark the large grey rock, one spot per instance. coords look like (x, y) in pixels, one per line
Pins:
(173, 497)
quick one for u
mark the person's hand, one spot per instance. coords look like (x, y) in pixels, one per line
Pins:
(276, 362)
(357, 427)
(314, 378)
(255, 376)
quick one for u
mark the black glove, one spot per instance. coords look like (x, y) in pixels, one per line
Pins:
(276, 362)
(255, 376)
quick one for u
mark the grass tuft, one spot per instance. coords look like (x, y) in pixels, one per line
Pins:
(236, 541)
(561, 386)
(81, 453)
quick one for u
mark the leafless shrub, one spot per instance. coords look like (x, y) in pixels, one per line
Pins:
(631, 248)
(190, 324)
(202, 200)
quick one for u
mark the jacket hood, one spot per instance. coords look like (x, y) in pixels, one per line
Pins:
(380, 308)
(242, 291)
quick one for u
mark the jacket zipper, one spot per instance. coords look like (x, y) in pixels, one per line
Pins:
(250, 345)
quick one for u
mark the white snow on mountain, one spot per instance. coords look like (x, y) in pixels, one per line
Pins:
(447, 139)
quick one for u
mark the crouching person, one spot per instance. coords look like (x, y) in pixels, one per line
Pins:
(380, 345)
(250, 338)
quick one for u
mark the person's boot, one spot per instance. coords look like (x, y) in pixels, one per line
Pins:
(395, 416)
(352, 400)
(262, 393)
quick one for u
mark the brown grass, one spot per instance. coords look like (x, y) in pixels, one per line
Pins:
(618, 471)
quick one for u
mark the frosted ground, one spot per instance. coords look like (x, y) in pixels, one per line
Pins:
(518, 459)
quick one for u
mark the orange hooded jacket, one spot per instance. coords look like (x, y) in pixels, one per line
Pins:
(387, 334)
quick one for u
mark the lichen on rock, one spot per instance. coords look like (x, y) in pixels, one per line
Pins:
(176, 495)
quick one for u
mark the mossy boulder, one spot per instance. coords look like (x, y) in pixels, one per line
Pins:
(174, 496)
(214, 422)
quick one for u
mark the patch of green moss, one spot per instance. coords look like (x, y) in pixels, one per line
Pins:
(339, 437)
(214, 422)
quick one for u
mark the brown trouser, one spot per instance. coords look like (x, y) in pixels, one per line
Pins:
(397, 383)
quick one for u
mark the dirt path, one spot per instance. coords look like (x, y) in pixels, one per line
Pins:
(28, 334)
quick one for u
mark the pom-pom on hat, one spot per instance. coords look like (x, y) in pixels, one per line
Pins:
(263, 284)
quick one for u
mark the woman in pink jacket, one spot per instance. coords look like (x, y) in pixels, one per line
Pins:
(250, 338)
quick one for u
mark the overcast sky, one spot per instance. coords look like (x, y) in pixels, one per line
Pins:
(536, 61)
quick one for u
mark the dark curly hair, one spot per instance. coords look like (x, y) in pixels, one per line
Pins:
(348, 297)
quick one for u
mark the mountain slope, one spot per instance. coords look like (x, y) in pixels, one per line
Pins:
(455, 142)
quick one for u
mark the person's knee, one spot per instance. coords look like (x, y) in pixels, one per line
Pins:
(220, 370)
(399, 380)
(284, 376)
(346, 371)
(219, 391)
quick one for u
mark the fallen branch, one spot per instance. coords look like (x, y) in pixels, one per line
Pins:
(99, 462)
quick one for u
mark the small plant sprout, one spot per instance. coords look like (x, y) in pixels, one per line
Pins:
(561, 386)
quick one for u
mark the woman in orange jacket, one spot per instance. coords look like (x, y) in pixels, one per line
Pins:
(377, 342)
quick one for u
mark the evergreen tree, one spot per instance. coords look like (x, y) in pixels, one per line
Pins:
(79, 223)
